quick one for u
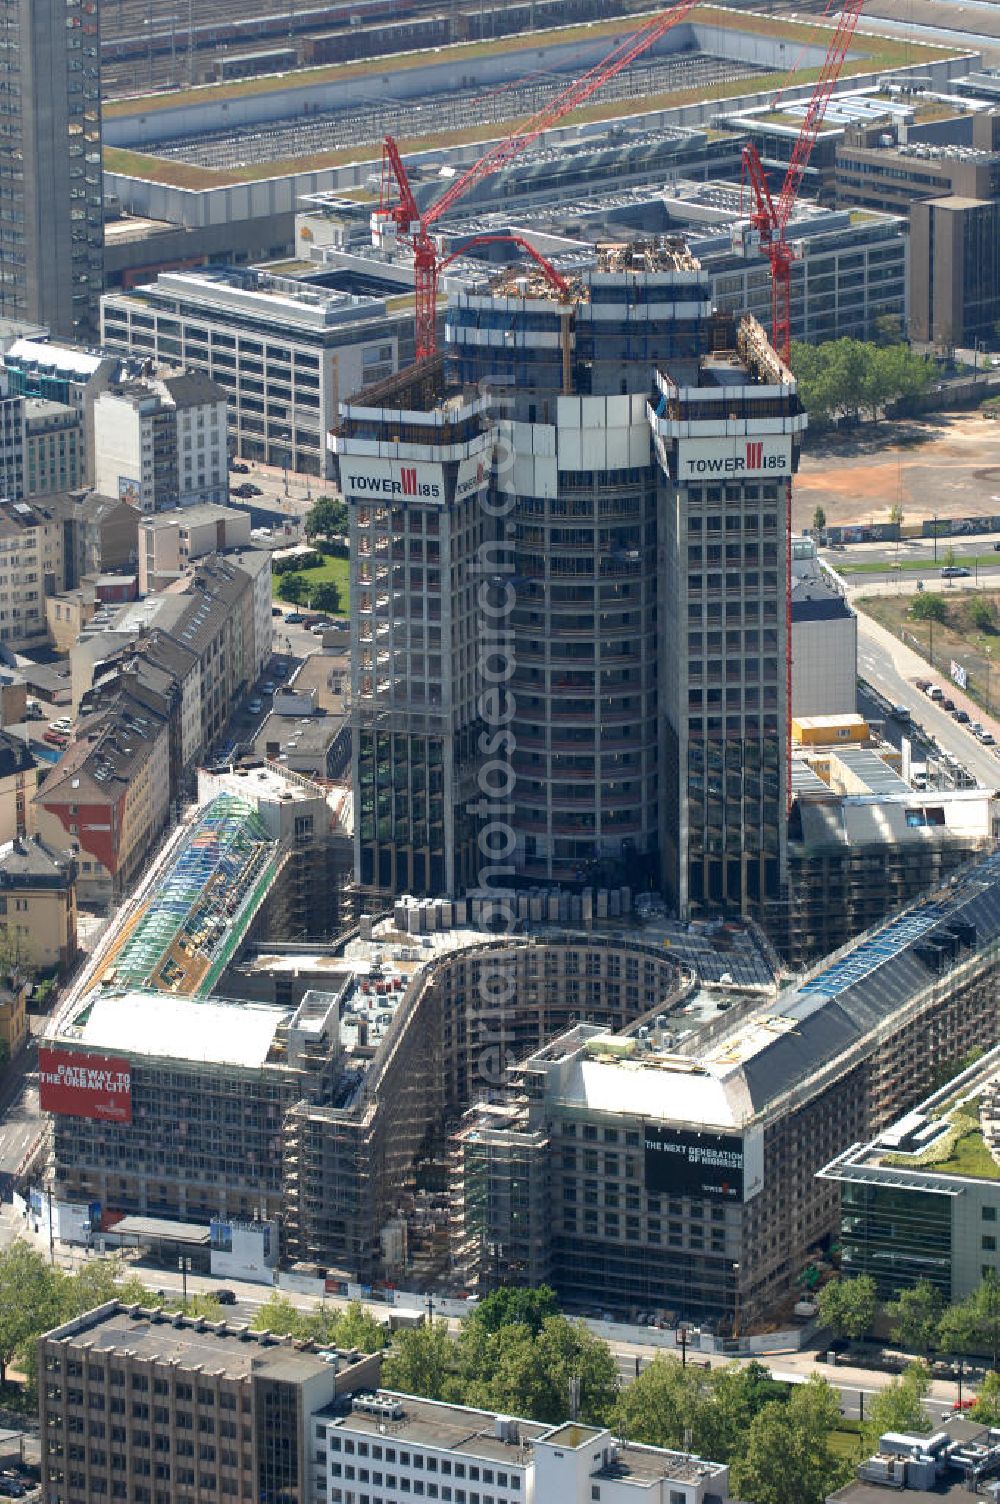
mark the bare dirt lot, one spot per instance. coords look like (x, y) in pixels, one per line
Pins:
(946, 465)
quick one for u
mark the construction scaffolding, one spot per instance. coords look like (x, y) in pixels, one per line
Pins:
(188, 932)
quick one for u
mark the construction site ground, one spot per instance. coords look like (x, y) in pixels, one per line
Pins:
(944, 465)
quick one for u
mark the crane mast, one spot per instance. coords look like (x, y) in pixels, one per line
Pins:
(770, 220)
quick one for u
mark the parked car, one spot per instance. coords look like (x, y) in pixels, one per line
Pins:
(934, 693)
(976, 728)
(947, 704)
(275, 610)
(962, 717)
(255, 706)
(63, 723)
(901, 713)
(294, 619)
(239, 467)
(988, 739)
(253, 490)
(923, 685)
(55, 738)
(246, 491)
(226, 1297)
(955, 572)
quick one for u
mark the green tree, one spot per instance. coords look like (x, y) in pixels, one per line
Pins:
(987, 1406)
(511, 1366)
(929, 606)
(421, 1361)
(510, 1306)
(277, 1314)
(664, 1403)
(31, 1300)
(916, 1316)
(973, 1325)
(94, 1283)
(326, 518)
(848, 1306)
(356, 1327)
(739, 1393)
(949, 558)
(819, 520)
(899, 1406)
(787, 1457)
(292, 588)
(888, 329)
(325, 597)
(982, 614)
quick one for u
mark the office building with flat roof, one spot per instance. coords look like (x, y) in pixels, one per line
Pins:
(285, 352)
(955, 297)
(191, 1409)
(921, 1201)
(409, 1444)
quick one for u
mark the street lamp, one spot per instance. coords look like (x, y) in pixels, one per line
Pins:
(184, 1265)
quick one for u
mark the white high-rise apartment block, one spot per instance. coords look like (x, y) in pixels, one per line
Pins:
(162, 443)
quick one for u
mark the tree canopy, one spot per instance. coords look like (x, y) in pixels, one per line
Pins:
(326, 518)
(786, 1457)
(848, 1306)
(352, 1326)
(916, 1316)
(929, 606)
(325, 596)
(973, 1326)
(851, 378)
(899, 1406)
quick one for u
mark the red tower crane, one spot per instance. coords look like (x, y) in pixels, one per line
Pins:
(770, 219)
(398, 213)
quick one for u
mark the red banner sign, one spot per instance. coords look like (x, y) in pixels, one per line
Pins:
(85, 1086)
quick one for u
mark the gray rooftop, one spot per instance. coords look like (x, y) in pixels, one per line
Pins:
(467, 1432)
(160, 1337)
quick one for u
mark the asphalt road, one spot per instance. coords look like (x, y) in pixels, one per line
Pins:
(885, 555)
(878, 669)
(19, 1116)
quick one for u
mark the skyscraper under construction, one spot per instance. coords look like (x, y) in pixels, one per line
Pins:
(569, 593)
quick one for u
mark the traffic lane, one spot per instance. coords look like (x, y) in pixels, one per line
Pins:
(854, 1397)
(855, 1403)
(909, 548)
(20, 1117)
(938, 723)
(903, 581)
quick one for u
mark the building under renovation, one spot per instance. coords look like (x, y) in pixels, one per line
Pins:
(680, 1174)
(631, 1111)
